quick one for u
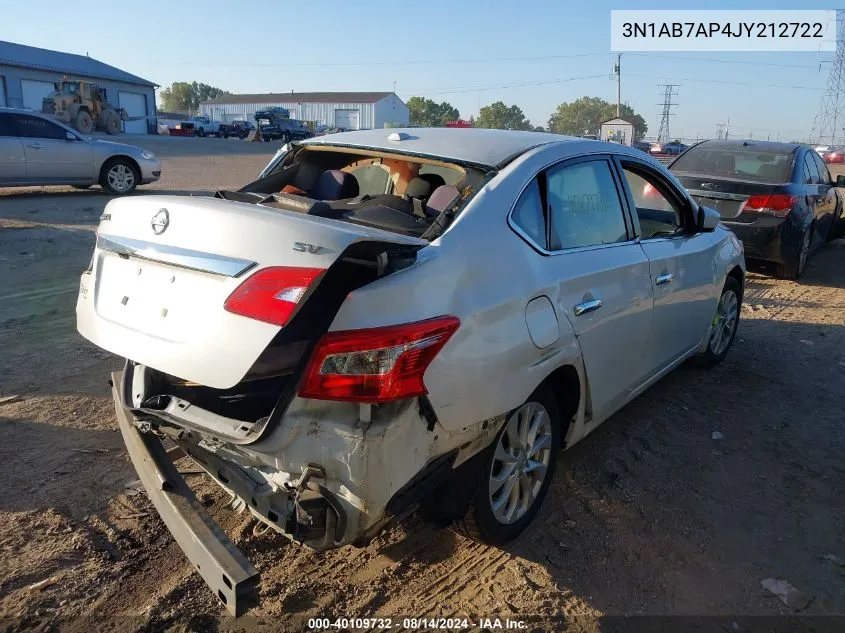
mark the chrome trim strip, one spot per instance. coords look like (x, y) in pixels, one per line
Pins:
(175, 256)
(717, 195)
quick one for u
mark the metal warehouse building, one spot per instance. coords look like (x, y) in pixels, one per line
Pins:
(27, 75)
(347, 110)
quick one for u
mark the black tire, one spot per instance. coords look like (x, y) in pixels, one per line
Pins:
(480, 522)
(794, 268)
(200, 131)
(715, 353)
(120, 166)
(83, 122)
(112, 123)
(285, 138)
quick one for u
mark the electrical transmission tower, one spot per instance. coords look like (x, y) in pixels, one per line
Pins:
(832, 106)
(669, 91)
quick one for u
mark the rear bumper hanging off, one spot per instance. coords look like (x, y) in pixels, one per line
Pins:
(227, 572)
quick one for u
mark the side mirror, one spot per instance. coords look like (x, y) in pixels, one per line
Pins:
(840, 180)
(708, 219)
(69, 136)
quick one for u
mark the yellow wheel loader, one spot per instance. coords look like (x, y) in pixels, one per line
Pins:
(83, 106)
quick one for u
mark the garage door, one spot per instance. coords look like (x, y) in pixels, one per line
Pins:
(347, 119)
(2, 92)
(33, 92)
(136, 106)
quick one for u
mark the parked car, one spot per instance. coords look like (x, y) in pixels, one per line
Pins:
(336, 357)
(670, 149)
(205, 126)
(37, 150)
(322, 130)
(778, 198)
(822, 149)
(237, 128)
(643, 146)
(285, 130)
(834, 156)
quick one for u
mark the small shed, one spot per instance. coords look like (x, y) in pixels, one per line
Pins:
(617, 131)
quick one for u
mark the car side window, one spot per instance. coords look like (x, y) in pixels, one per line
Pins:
(658, 215)
(6, 126)
(812, 169)
(824, 173)
(584, 206)
(36, 127)
(528, 215)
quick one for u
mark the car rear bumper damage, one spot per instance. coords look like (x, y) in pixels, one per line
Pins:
(223, 567)
(331, 474)
(767, 238)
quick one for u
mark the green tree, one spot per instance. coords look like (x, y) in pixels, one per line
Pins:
(427, 113)
(182, 95)
(501, 117)
(587, 114)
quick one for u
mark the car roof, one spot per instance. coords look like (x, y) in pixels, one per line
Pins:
(768, 146)
(466, 145)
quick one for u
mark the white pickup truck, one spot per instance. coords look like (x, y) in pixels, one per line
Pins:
(204, 125)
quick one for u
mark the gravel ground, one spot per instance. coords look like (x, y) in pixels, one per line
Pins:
(649, 515)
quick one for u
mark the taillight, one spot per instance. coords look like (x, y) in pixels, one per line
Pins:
(776, 204)
(272, 294)
(377, 364)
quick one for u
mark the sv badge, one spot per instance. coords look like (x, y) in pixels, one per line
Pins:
(304, 247)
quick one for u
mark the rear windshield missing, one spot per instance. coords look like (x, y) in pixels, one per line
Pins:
(747, 163)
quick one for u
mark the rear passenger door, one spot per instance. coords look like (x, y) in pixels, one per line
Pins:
(682, 262)
(12, 157)
(603, 277)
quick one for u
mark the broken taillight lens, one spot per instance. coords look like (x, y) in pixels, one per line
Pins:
(272, 294)
(377, 364)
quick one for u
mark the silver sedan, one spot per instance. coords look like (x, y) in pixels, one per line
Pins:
(37, 150)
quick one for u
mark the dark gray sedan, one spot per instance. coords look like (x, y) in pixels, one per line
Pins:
(37, 150)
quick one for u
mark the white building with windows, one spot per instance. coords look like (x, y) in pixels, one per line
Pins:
(347, 110)
(617, 131)
(28, 74)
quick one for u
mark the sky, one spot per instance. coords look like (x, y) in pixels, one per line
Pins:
(535, 54)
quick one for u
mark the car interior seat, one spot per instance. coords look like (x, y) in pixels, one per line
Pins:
(335, 184)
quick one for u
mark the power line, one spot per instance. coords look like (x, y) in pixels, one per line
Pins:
(729, 83)
(720, 61)
(831, 107)
(541, 82)
(669, 91)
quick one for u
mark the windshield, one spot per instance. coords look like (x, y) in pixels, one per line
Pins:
(750, 163)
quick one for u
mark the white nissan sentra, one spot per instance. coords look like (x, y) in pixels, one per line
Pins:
(392, 319)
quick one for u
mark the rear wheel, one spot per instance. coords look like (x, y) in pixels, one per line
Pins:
(725, 324)
(285, 138)
(119, 176)
(83, 122)
(794, 268)
(517, 471)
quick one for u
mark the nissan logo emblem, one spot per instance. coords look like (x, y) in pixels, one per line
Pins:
(160, 221)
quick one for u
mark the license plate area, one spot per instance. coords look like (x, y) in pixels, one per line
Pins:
(726, 208)
(151, 297)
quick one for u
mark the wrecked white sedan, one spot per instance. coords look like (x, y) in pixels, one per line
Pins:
(388, 320)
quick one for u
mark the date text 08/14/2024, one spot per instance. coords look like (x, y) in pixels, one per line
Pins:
(455, 624)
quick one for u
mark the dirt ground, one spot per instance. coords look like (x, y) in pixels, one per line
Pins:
(650, 515)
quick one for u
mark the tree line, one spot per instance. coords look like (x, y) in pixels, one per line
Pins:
(582, 116)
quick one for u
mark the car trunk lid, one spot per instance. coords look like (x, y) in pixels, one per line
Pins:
(728, 196)
(164, 267)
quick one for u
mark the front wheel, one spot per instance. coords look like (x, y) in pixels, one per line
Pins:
(517, 472)
(201, 132)
(725, 324)
(119, 176)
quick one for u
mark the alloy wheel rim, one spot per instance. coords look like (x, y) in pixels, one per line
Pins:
(520, 463)
(121, 178)
(725, 322)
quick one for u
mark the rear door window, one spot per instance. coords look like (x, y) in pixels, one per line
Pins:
(528, 215)
(372, 179)
(812, 170)
(584, 206)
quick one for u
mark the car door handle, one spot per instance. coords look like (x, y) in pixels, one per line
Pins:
(587, 306)
(665, 278)
(35, 145)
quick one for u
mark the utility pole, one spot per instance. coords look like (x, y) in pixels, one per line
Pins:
(834, 95)
(617, 71)
(669, 91)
